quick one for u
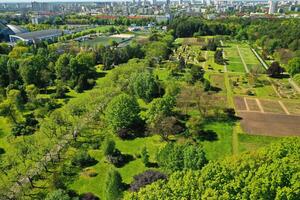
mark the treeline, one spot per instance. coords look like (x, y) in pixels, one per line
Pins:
(271, 173)
(192, 26)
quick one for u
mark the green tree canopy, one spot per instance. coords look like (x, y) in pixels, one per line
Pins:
(294, 66)
(122, 112)
(269, 173)
(144, 85)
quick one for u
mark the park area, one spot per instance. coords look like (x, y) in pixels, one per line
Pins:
(95, 40)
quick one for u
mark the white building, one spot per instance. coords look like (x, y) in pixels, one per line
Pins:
(272, 7)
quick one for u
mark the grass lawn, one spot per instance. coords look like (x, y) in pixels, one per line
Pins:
(253, 142)
(222, 147)
(96, 184)
(210, 63)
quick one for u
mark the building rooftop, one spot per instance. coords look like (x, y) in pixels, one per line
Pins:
(39, 34)
(16, 29)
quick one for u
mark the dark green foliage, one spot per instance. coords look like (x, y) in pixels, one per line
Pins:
(197, 73)
(144, 86)
(83, 159)
(27, 127)
(275, 70)
(219, 57)
(114, 185)
(145, 156)
(211, 45)
(189, 26)
(109, 147)
(146, 178)
(175, 157)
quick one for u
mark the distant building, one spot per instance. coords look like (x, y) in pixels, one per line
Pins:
(7, 30)
(37, 36)
(272, 7)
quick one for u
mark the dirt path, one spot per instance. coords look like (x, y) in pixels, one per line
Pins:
(259, 105)
(235, 137)
(246, 104)
(284, 108)
(243, 61)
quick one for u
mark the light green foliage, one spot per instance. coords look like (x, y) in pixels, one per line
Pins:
(294, 66)
(144, 85)
(33, 70)
(157, 51)
(271, 173)
(58, 194)
(62, 69)
(160, 106)
(175, 157)
(122, 112)
(113, 185)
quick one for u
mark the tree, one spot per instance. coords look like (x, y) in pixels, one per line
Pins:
(194, 157)
(160, 106)
(62, 68)
(113, 185)
(83, 159)
(146, 178)
(165, 126)
(58, 194)
(275, 69)
(109, 147)
(196, 74)
(218, 57)
(4, 78)
(122, 112)
(175, 157)
(269, 173)
(145, 156)
(32, 70)
(144, 86)
(294, 66)
(157, 51)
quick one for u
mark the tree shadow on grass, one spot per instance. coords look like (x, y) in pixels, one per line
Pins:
(152, 165)
(207, 135)
(2, 151)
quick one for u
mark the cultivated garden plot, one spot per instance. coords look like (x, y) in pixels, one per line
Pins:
(251, 85)
(240, 58)
(210, 64)
(270, 124)
(285, 89)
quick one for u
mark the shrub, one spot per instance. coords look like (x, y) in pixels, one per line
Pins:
(83, 159)
(145, 178)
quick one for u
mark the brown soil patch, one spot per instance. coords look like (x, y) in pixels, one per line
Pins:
(272, 106)
(270, 124)
(239, 103)
(293, 107)
(252, 105)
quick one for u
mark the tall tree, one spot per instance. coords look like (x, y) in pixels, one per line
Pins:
(113, 185)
